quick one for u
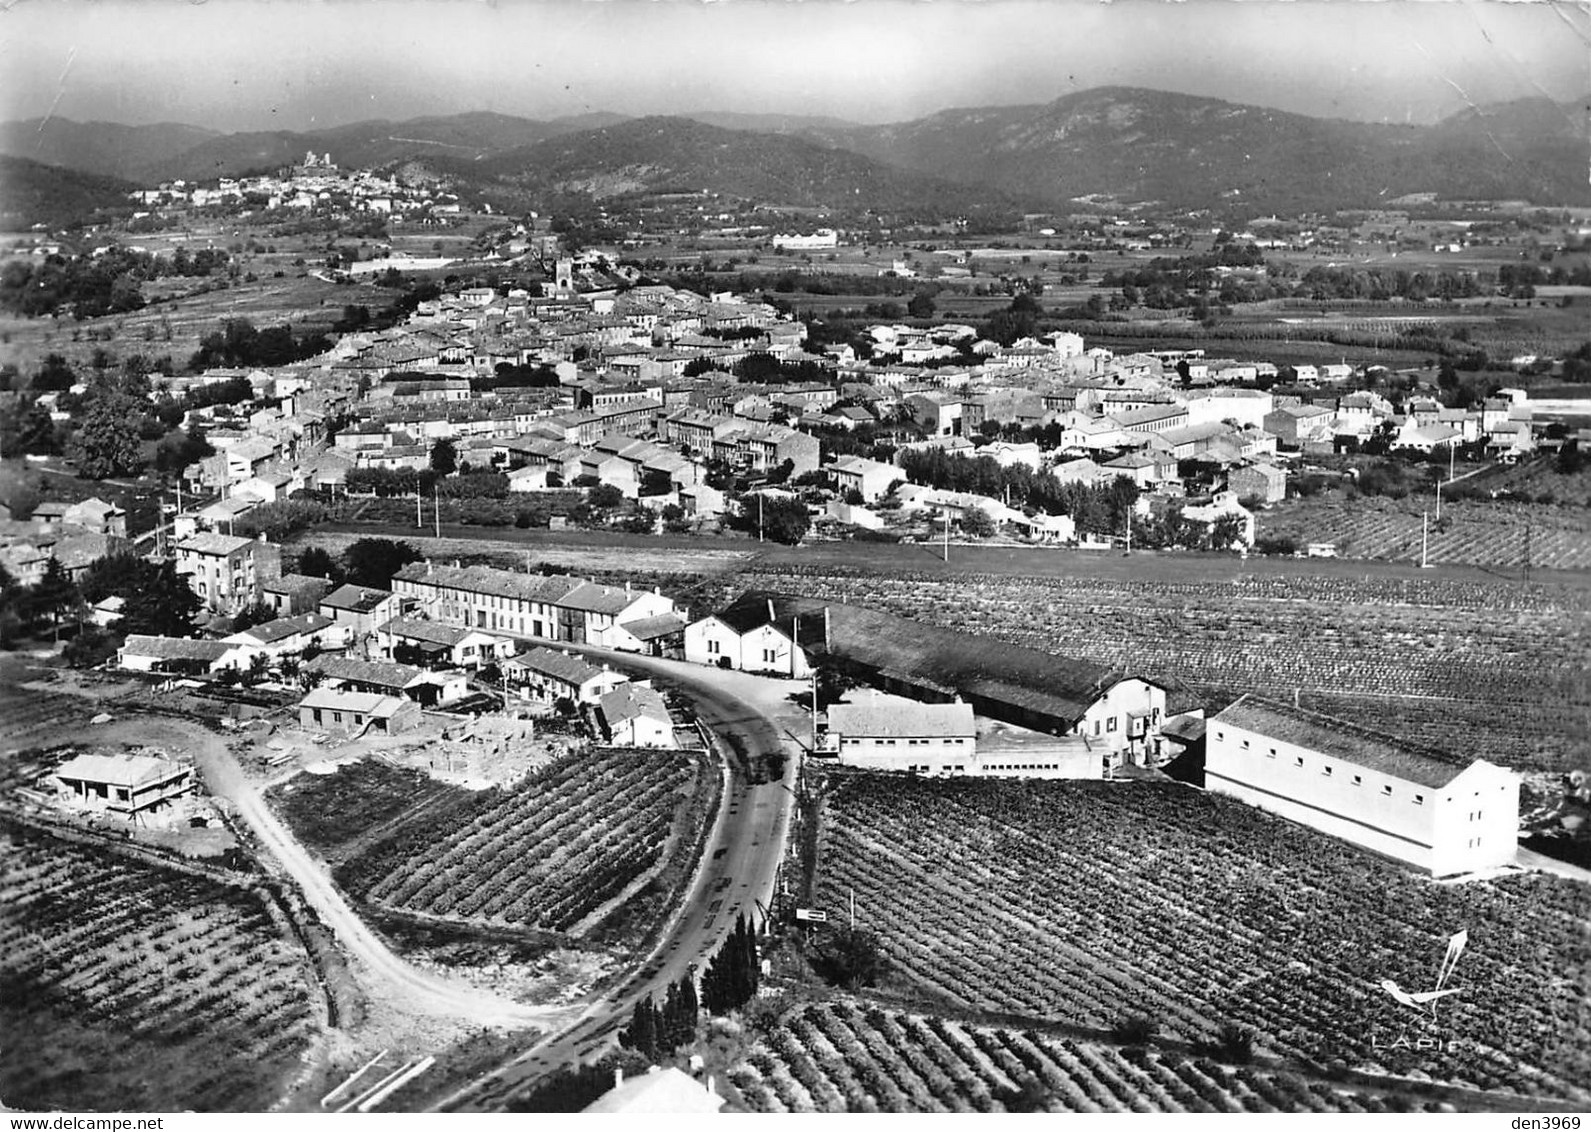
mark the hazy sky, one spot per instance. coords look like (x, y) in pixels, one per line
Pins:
(301, 64)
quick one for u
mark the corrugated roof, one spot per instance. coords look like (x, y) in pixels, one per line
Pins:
(282, 628)
(1374, 750)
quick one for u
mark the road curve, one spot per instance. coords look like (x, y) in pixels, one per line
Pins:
(737, 874)
(391, 979)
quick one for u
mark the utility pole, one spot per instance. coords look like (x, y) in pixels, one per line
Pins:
(814, 709)
(419, 519)
(759, 516)
(1424, 523)
(436, 508)
(947, 534)
(1439, 501)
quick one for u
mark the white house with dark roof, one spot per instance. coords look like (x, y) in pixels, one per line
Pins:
(748, 635)
(433, 644)
(636, 716)
(548, 675)
(360, 609)
(183, 656)
(335, 709)
(1443, 815)
(288, 636)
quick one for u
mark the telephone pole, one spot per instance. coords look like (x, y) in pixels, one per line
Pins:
(436, 509)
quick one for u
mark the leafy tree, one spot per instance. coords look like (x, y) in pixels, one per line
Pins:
(783, 520)
(54, 375)
(36, 434)
(975, 521)
(53, 595)
(373, 561)
(921, 305)
(257, 614)
(107, 443)
(156, 599)
(316, 562)
(444, 457)
(605, 497)
(656, 481)
(90, 647)
(851, 957)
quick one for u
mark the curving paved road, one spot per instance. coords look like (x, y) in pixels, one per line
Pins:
(737, 874)
(391, 979)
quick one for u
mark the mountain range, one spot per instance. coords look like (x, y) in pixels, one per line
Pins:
(1129, 145)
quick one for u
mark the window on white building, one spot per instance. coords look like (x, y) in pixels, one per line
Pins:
(1419, 799)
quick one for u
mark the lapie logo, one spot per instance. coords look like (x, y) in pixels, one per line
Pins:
(1419, 1000)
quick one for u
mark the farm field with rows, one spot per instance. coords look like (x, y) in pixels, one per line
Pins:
(1101, 900)
(1487, 655)
(545, 853)
(333, 813)
(1473, 533)
(131, 986)
(842, 1057)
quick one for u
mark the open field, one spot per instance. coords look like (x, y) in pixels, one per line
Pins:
(1497, 536)
(1102, 900)
(130, 986)
(1484, 656)
(842, 1057)
(545, 854)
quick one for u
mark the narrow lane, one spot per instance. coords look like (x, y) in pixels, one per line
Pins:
(737, 874)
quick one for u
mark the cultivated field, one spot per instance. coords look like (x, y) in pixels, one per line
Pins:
(132, 986)
(841, 1057)
(1501, 666)
(1083, 903)
(1498, 536)
(335, 814)
(544, 854)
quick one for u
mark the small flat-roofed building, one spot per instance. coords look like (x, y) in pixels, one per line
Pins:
(926, 738)
(130, 785)
(636, 716)
(1439, 814)
(332, 709)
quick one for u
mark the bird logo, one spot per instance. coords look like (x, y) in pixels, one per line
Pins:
(1418, 1000)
